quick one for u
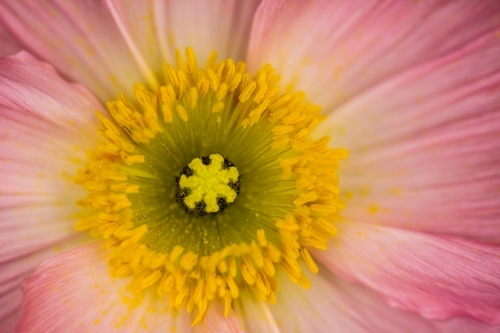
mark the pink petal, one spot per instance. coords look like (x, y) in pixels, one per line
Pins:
(13, 272)
(333, 305)
(46, 126)
(74, 293)
(135, 21)
(79, 37)
(215, 321)
(9, 44)
(334, 50)
(221, 25)
(255, 314)
(438, 277)
(424, 146)
(423, 142)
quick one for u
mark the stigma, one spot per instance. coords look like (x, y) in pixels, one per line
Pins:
(207, 185)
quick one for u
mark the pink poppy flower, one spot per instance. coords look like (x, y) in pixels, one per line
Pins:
(410, 88)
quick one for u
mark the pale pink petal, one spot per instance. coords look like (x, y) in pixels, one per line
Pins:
(416, 106)
(221, 25)
(255, 314)
(333, 50)
(9, 44)
(333, 305)
(135, 20)
(215, 321)
(438, 277)
(13, 272)
(424, 146)
(74, 293)
(79, 37)
(46, 126)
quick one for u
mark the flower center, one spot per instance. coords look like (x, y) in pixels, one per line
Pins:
(164, 185)
(207, 185)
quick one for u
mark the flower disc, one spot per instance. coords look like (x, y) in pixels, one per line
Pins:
(210, 183)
